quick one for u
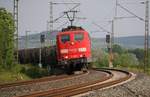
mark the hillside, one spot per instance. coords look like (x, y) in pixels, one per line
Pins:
(127, 42)
(33, 41)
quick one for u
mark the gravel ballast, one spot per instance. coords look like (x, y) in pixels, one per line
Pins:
(139, 87)
(44, 86)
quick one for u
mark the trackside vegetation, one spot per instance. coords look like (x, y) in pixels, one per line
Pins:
(9, 70)
(6, 39)
(131, 59)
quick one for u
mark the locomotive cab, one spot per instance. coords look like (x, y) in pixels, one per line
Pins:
(73, 47)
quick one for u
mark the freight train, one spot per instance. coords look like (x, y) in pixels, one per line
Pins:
(72, 51)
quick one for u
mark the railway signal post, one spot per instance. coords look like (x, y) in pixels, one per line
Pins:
(109, 46)
(109, 41)
(42, 40)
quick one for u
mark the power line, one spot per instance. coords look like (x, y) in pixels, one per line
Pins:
(62, 25)
(103, 29)
(130, 12)
(146, 20)
(56, 19)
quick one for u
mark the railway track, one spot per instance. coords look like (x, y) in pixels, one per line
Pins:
(30, 81)
(96, 79)
(44, 79)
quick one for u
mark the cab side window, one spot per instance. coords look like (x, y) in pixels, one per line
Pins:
(65, 38)
(78, 36)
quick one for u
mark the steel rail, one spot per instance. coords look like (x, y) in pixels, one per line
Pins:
(44, 79)
(69, 89)
(94, 87)
(82, 88)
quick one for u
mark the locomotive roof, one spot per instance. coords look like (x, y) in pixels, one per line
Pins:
(72, 28)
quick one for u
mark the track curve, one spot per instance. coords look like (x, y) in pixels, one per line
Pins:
(118, 77)
(30, 88)
(44, 79)
(95, 79)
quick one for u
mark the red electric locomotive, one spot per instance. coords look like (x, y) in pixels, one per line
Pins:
(73, 48)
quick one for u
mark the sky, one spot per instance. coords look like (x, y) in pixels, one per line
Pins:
(34, 14)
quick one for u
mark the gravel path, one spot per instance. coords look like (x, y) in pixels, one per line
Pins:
(139, 87)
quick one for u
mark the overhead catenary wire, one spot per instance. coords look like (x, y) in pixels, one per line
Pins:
(62, 25)
(146, 21)
(52, 21)
(130, 12)
(102, 28)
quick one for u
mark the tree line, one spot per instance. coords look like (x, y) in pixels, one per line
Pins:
(7, 30)
(122, 57)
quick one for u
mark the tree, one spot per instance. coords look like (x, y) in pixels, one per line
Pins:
(6, 39)
(139, 53)
(126, 60)
(100, 58)
(117, 49)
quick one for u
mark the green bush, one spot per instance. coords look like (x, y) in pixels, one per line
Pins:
(7, 30)
(100, 58)
(16, 68)
(126, 60)
(34, 72)
(118, 49)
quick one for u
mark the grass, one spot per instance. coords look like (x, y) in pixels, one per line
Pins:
(135, 69)
(8, 76)
(13, 75)
(21, 72)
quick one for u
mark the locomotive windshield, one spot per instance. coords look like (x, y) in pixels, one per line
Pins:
(65, 38)
(78, 36)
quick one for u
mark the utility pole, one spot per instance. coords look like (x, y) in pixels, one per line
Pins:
(26, 43)
(112, 43)
(116, 8)
(26, 46)
(51, 17)
(112, 31)
(15, 12)
(146, 43)
(114, 22)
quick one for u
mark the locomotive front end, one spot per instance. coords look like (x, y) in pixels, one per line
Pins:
(73, 48)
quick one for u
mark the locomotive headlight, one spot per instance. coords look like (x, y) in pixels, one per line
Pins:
(66, 57)
(82, 49)
(63, 51)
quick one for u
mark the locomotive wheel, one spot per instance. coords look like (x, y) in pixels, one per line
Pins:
(79, 67)
(69, 69)
(85, 67)
(50, 69)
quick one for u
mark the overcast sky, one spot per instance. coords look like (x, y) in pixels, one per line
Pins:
(34, 14)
